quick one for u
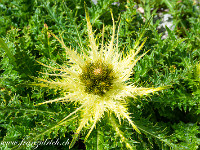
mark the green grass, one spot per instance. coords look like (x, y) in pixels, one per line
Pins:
(167, 120)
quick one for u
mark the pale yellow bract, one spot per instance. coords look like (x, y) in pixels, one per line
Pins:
(98, 82)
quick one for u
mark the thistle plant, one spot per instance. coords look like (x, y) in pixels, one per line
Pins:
(98, 82)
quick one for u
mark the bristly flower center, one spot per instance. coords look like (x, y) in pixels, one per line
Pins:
(97, 78)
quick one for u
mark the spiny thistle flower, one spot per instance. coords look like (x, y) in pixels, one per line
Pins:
(97, 81)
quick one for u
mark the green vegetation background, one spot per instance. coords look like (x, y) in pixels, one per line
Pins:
(167, 120)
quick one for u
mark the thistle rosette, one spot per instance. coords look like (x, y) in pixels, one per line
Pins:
(98, 81)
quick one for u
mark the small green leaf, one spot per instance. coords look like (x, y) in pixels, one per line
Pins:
(4, 46)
